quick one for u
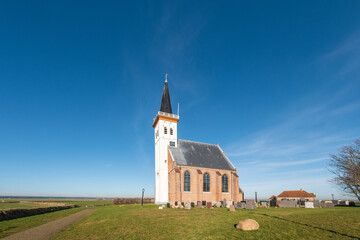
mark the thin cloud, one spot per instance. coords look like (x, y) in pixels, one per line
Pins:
(348, 52)
(293, 163)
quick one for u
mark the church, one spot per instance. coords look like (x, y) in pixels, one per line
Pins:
(188, 171)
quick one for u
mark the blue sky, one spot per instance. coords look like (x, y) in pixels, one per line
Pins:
(275, 83)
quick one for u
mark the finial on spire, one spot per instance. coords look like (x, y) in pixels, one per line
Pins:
(165, 77)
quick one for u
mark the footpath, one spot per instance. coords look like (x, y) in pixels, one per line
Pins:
(50, 229)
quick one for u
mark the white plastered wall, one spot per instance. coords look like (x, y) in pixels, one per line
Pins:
(162, 142)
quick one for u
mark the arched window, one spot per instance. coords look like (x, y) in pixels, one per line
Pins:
(224, 180)
(187, 181)
(165, 130)
(206, 182)
(171, 131)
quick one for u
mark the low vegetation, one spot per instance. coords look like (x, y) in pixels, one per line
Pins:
(121, 201)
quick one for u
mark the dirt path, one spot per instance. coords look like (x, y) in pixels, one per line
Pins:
(48, 230)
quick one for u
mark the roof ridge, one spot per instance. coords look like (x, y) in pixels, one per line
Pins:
(197, 142)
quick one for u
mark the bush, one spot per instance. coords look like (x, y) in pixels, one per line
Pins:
(18, 213)
(121, 201)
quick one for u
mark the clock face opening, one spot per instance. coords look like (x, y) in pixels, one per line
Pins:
(172, 144)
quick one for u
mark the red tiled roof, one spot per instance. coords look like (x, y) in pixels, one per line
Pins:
(272, 197)
(299, 193)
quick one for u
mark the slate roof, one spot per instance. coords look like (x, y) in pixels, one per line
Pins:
(195, 154)
(297, 194)
(165, 101)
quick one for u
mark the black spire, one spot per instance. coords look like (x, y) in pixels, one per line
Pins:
(165, 101)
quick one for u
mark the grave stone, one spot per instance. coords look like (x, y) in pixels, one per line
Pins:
(309, 204)
(192, 204)
(273, 202)
(176, 203)
(224, 203)
(208, 205)
(322, 204)
(218, 204)
(250, 205)
(329, 205)
(288, 203)
(204, 203)
(199, 204)
(229, 203)
(232, 208)
(187, 206)
(168, 205)
(243, 205)
(183, 204)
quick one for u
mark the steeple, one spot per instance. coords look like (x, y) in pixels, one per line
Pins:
(165, 101)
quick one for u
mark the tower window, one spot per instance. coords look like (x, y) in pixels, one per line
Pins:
(224, 180)
(206, 182)
(187, 181)
(171, 131)
(165, 130)
(157, 133)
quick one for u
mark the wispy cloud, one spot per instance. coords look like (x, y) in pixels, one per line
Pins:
(293, 163)
(348, 52)
(293, 153)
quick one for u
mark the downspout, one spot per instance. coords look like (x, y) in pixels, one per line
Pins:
(232, 194)
(180, 187)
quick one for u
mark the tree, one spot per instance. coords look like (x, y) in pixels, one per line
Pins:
(346, 167)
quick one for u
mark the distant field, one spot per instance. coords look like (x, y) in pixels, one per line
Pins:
(17, 205)
(80, 202)
(134, 222)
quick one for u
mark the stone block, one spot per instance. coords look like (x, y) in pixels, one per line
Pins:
(248, 224)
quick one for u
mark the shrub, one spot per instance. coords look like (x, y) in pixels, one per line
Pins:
(121, 201)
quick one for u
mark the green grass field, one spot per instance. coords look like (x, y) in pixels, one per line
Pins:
(18, 205)
(134, 222)
(148, 222)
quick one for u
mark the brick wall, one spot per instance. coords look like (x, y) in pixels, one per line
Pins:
(176, 184)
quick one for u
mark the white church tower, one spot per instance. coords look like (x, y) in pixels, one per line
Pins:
(165, 131)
